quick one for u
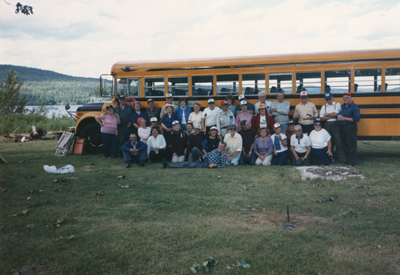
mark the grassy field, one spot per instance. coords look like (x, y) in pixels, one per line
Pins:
(161, 221)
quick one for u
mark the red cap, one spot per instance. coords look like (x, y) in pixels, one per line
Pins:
(139, 119)
(347, 93)
(224, 102)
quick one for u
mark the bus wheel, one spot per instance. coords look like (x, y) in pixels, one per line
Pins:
(93, 143)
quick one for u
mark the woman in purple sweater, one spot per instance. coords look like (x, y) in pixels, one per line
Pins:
(263, 147)
(108, 123)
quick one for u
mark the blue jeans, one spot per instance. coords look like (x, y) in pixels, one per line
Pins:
(251, 161)
(139, 158)
(194, 163)
(110, 140)
(235, 161)
(280, 159)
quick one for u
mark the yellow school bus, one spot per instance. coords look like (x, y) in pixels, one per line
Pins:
(372, 76)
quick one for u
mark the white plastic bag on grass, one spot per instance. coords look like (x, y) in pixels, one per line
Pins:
(66, 169)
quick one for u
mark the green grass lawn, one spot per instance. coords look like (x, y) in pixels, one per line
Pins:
(170, 218)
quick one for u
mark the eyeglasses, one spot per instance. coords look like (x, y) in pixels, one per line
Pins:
(303, 97)
(317, 124)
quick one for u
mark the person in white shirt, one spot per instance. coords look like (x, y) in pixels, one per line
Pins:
(281, 150)
(234, 144)
(225, 119)
(329, 114)
(156, 146)
(196, 115)
(300, 145)
(210, 116)
(262, 96)
(143, 131)
(320, 145)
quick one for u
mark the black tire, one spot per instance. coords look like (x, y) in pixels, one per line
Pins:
(93, 143)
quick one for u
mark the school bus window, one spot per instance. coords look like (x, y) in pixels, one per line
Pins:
(310, 81)
(277, 81)
(228, 84)
(337, 81)
(366, 81)
(202, 85)
(122, 87)
(154, 86)
(134, 87)
(392, 80)
(252, 84)
(178, 86)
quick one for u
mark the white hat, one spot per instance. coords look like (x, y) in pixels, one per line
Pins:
(277, 125)
(241, 97)
(175, 122)
(303, 93)
(211, 100)
(153, 119)
(243, 102)
(197, 126)
(169, 95)
(213, 128)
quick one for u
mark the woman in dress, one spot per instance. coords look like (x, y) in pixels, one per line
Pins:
(109, 123)
(263, 147)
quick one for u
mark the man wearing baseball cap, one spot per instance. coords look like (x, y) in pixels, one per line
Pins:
(250, 107)
(209, 116)
(124, 112)
(170, 101)
(152, 111)
(328, 114)
(225, 118)
(347, 120)
(305, 112)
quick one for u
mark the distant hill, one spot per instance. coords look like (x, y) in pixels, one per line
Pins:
(52, 87)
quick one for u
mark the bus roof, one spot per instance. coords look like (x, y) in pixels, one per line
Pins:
(345, 56)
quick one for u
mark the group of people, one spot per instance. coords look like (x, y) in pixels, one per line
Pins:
(259, 134)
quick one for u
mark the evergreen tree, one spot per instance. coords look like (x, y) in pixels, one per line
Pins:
(11, 100)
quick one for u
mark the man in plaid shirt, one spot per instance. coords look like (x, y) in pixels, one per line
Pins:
(213, 159)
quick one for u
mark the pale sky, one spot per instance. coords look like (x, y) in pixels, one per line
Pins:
(84, 38)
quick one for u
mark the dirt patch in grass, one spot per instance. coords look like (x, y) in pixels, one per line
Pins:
(329, 173)
(274, 219)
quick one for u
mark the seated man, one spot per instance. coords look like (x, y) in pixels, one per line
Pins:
(300, 147)
(134, 151)
(213, 159)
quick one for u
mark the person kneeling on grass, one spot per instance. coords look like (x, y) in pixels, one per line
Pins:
(301, 147)
(177, 142)
(134, 151)
(320, 145)
(213, 159)
(281, 151)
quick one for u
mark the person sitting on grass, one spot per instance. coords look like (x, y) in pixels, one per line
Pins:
(234, 144)
(320, 145)
(248, 137)
(134, 151)
(301, 147)
(263, 147)
(177, 142)
(211, 142)
(213, 159)
(281, 151)
(156, 146)
(196, 139)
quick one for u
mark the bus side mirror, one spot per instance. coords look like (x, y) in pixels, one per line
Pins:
(106, 85)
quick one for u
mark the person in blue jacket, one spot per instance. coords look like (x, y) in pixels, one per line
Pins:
(347, 120)
(134, 151)
(183, 113)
